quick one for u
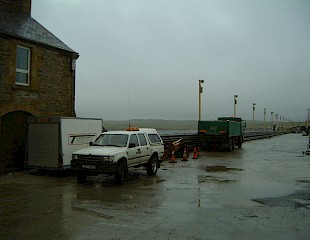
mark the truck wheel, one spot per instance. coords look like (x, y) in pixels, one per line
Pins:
(81, 178)
(151, 167)
(121, 173)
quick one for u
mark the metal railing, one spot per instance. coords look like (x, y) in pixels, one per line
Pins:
(191, 140)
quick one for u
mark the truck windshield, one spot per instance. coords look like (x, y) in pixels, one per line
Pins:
(118, 140)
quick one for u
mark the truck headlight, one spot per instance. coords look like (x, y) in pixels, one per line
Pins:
(75, 156)
(108, 158)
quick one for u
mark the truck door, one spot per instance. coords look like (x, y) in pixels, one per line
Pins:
(134, 150)
(144, 147)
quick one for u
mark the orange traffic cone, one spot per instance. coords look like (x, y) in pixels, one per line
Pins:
(184, 155)
(195, 153)
(198, 151)
(173, 160)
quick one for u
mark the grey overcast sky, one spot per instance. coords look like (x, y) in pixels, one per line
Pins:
(150, 54)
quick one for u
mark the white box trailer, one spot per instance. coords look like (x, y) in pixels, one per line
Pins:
(52, 140)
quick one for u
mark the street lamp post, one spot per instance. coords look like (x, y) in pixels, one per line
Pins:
(307, 125)
(264, 119)
(288, 124)
(253, 116)
(271, 121)
(200, 92)
(235, 105)
(276, 128)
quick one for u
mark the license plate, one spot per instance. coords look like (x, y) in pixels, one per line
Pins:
(89, 166)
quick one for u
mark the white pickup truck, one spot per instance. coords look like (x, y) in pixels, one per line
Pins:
(114, 152)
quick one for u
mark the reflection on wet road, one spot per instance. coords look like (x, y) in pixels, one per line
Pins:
(265, 186)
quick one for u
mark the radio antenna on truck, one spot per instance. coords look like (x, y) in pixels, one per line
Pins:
(128, 109)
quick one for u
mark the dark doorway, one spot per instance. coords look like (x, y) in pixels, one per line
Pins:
(13, 140)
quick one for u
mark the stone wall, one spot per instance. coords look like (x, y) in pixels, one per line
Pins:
(50, 93)
(51, 90)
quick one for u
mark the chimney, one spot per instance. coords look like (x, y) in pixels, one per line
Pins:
(17, 6)
(25, 6)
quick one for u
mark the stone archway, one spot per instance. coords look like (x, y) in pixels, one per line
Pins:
(13, 140)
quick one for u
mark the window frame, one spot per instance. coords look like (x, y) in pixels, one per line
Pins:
(154, 138)
(18, 70)
(136, 138)
(142, 139)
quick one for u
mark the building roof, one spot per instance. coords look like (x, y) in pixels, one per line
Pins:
(24, 27)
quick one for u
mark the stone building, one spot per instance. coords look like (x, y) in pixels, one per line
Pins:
(37, 78)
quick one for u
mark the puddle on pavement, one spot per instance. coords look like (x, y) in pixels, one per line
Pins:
(160, 180)
(303, 181)
(219, 168)
(109, 180)
(207, 178)
(93, 211)
(298, 199)
(216, 179)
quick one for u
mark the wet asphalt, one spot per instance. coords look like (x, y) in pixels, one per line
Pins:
(261, 191)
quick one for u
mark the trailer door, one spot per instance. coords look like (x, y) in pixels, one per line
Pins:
(43, 144)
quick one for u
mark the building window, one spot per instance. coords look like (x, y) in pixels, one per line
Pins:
(22, 66)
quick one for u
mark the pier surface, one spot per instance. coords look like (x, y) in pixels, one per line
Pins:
(261, 191)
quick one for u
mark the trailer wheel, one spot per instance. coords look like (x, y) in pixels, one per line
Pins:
(233, 144)
(81, 177)
(221, 146)
(239, 142)
(230, 145)
(121, 172)
(151, 167)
